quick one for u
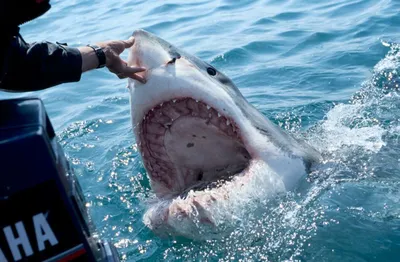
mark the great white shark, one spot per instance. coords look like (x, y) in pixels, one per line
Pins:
(200, 140)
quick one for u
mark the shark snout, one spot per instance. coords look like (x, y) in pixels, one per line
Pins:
(140, 33)
(150, 51)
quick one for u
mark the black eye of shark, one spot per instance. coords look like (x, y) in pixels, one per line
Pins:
(211, 71)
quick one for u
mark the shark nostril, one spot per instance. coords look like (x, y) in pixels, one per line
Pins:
(172, 61)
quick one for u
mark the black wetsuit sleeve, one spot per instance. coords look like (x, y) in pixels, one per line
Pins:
(37, 66)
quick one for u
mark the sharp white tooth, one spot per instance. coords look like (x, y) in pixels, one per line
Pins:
(209, 115)
(197, 101)
(227, 122)
(173, 101)
(161, 104)
(208, 107)
(219, 115)
(152, 109)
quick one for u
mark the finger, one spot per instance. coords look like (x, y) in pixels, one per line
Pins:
(121, 69)
(132, 70)
(138, 78)
(122, 75)
(133, 76)
(132, 73)
(118, 46)
(128, 43)
(129, 69)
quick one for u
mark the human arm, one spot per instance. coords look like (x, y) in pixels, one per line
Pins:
(37, 66)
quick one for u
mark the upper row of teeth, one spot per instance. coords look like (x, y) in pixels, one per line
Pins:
(208, 108)
(228, 123)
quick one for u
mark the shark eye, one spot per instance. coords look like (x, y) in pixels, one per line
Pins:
(211, 71)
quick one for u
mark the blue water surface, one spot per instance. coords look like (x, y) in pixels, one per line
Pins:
(325, 71)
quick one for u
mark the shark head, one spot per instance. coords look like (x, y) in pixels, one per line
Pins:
(199, 138)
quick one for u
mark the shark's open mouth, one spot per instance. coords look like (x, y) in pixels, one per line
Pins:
(187, 144)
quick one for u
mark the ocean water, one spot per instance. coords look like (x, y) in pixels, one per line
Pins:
(325, 71)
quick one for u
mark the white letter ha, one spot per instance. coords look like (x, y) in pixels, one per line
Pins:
(43, 231)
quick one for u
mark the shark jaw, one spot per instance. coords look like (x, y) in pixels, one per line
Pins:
(201, 142)
(187, 144)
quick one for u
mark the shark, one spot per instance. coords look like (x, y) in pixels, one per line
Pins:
(201, 142)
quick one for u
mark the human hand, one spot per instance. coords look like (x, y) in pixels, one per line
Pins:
(115, 64)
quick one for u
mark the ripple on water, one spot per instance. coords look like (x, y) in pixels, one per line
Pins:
(265, 21)
(287, 16)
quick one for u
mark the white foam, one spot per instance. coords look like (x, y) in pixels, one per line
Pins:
(240, 200)
(391, 61)
(334, 133)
